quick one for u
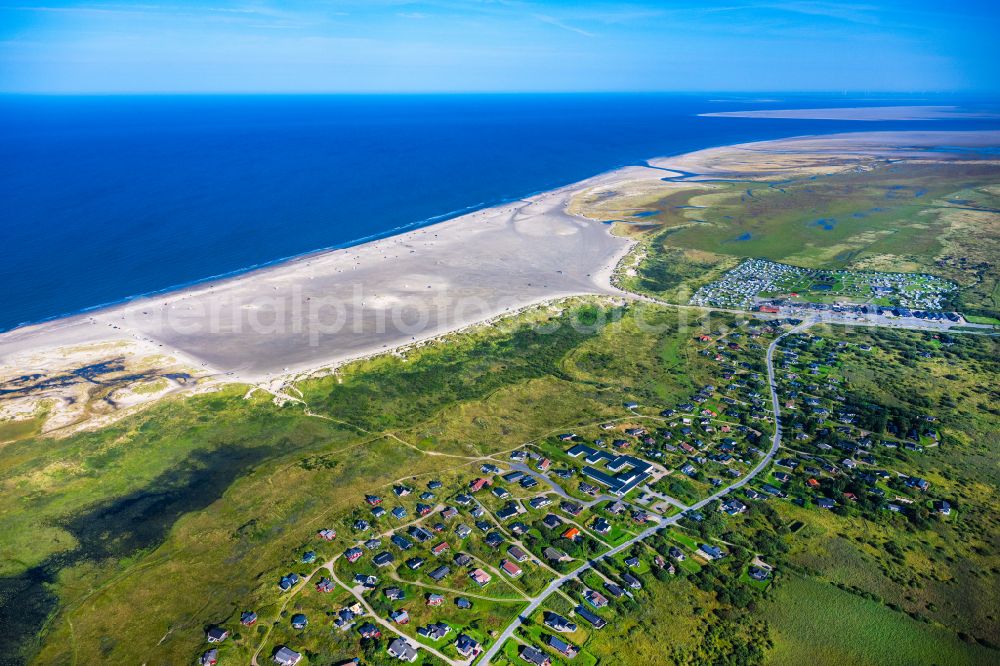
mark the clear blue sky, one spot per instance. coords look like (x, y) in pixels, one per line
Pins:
(497, 45)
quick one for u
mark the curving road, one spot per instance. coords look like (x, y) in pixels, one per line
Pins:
(537, 600)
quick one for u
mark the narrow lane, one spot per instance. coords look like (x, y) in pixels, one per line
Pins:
(537, 601)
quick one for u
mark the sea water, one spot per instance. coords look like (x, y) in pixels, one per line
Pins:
(104, 198)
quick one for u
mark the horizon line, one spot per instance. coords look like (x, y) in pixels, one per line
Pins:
(849, 94)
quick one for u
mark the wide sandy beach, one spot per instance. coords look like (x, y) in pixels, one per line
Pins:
(325, 308)
(321, 310)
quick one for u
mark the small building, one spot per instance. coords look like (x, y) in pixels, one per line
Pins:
(402, 650)
(216, 634)
(467, 646)
(602, 526)
(539, 502)
(400, 616)
(595, 620)
(434, 631)
(299, 621)
(561, 646)
(555, 555)
(401, 542)
(285, 656)
(480, 577)
(572, 508)
(557, 622)
(210, 658)
(248, 618)
(366, 580)
(510, 568)
(614, 590)
(533, 655)
(478, 484)
(439, 573)
(369, 630)
(288, 582)
(518, 554)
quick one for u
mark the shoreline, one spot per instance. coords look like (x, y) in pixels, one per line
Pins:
(504, 258)
(78, 330)
(362, 240)
(253, 267)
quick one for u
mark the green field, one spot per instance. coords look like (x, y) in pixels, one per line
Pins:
(816, 621)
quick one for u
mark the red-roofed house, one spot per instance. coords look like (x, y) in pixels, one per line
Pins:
(512, 569)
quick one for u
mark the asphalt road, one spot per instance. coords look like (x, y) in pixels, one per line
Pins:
(537, 600)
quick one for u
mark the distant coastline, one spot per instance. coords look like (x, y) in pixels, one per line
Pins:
(860, 113)
(144, 196)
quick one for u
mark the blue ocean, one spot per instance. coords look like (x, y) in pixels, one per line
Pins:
(105, 198)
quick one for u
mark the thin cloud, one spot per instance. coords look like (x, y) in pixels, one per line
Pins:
(551, 20)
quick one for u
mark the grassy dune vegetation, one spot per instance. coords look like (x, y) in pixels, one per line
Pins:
(940, 570)
(936, 217)
(126, 542)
